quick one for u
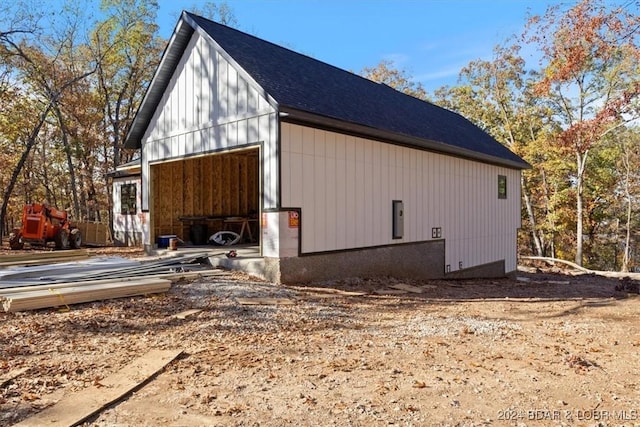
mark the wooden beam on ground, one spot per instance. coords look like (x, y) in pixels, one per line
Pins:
(74, 408)
(611, 274)
(560, 261)
(56, 286)
(44, 298)
(543, 282)
(264, 301)
(37, 258)
(390, 292)
(42, 255)
(184, 314)
(408, 288)
(173, 277)
(329, 291)
(12, 375)
(558, 282)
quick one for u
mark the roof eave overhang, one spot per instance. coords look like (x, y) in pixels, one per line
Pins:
(123, 174)
(293, 115)
(127, 169)
(170, 59)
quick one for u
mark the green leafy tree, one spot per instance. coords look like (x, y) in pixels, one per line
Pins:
(495, 94)
(37, 66)
(588, 78)
(127, 49)
(627, 194)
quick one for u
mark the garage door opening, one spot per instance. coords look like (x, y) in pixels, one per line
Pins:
(195, 198)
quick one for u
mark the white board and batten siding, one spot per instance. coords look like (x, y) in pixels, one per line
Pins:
(210, 107)
(345, 186)
(127, 227)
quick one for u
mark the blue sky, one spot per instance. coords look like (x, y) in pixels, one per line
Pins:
(430, 39)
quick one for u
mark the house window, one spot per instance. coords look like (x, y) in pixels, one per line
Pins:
(502, 187)
(128, 199)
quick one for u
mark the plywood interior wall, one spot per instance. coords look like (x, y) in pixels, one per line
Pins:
(213, 186)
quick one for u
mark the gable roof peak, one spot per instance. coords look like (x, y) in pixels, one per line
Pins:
(323, 94)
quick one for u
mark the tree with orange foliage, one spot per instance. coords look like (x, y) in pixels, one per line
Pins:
(589, 77)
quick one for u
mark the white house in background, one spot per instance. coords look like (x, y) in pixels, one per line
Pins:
(353, 177)
(128, 218)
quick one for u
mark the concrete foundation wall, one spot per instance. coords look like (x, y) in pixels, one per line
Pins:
(421, 261)
(424, 260)
(485, 271)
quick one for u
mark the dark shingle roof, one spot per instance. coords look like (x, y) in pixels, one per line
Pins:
(301, 83)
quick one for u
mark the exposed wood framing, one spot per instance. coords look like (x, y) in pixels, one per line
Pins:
(216, 185)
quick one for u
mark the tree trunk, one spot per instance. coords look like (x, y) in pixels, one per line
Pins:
(581, 160)
(579, 230)
(626, 254)
(31, 142)
(532, 218)
(48, 193)
(72, 170)
(84, 206)
(550, 222)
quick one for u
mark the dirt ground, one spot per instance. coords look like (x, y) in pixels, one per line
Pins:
(553, 350)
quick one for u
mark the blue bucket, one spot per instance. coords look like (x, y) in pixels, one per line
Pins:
(163, 241)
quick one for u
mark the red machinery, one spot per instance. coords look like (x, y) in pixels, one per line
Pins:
(42, 224)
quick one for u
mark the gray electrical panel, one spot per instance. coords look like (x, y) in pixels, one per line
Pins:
(398, 219)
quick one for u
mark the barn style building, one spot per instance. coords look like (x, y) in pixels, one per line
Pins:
(332, 174)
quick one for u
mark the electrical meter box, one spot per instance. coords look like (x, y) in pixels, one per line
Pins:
(398, 219)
